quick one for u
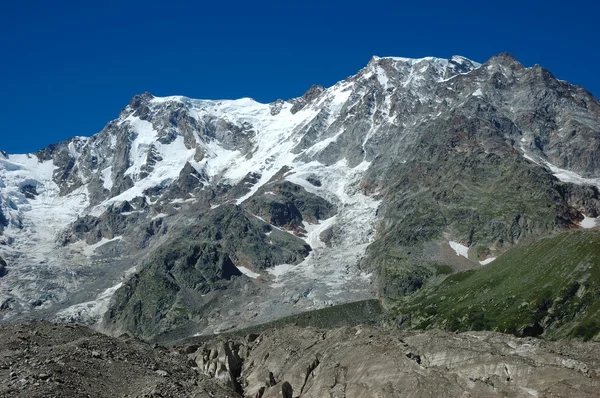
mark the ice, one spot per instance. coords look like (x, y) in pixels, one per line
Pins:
(161, 100)
(413, 61)
(461, 250)
(563, 174)
(91, 311)
(159, 215)
(382, 77)
(107, 182)
(571, 176)
(529, 157)
(248, 273)
(89, 250)
(333, 272)
(33, 229)
(174, 155)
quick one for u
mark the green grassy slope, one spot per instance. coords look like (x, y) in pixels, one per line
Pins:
(549, 288)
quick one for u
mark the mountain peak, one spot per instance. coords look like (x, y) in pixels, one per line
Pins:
(505, 59)
(409, 71)
(138, 99)
(456, 59)
(313, 92)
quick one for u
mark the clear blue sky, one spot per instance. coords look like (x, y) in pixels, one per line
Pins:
(68, 67)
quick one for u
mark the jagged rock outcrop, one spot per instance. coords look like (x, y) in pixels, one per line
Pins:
(3, 220)
(288, 205)
(3, 266)
(367, 362)
(306, 98)
(193, 262)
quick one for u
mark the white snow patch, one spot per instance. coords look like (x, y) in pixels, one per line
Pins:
(159, 215)
(487, 261)
(107, 182)
(589, 222)
(529, 157)
(477, 93)
(128, 213)
(173, 98)
(174, 157)
(333, 271)
(180, 200)
(248, 273)
(89, 250)
(34, 222)
(571, 176)
(90, 310)
(145, 138)
(382, 77)
(461, 250)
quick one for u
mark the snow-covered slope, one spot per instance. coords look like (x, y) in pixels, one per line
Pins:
(83, 214)
(149, 145)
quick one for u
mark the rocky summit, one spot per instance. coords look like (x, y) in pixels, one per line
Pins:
(191, 217)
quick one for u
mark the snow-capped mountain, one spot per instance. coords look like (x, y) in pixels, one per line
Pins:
(203, 215)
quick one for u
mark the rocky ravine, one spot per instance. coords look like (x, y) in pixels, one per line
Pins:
(193, 216)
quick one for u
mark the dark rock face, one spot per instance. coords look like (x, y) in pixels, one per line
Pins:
(194, 262)
(287, 205)
(3, 220)
(287, 391)
(127, 218)
(3, 265)
(190, 181)
(244, 237)
(310, 95)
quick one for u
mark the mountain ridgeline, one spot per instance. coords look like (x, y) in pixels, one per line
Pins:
(187, 216)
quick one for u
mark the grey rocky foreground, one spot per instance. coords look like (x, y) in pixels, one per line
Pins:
(49, 360)
(366, 362)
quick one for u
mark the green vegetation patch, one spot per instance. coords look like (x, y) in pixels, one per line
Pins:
(548, 288)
